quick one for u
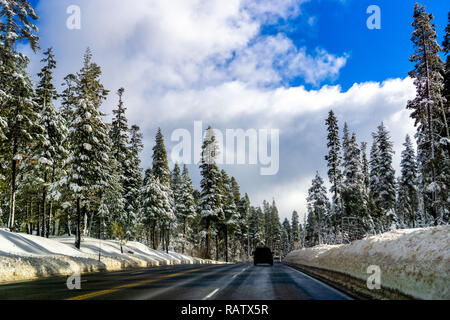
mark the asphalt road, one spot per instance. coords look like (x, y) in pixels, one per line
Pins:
(187, 282)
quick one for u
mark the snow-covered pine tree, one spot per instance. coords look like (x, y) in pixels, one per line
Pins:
(210, 199)
(446, 92)
(156, 206)
(386, 177)
(276, 229)
(295, 230)
(88, 138)
(186, 209)
(408, 196)
(244, 223)
(374, 194)
(219, 224)
(286, 237)
(161, 172)
(318, 206)
(333, 159)
(118, 135)
(236, 191)
(160, 165)
(365, 169)
(134, 183)
(231, 216)
(256, 227)
(69, 97)
(368, 222)
(18, 112)
(429, 113)
(50, 152)
(176, 185)
(355, 212)
(445, 140)
(268, 227)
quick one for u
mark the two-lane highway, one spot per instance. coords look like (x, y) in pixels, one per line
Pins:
(185, 282)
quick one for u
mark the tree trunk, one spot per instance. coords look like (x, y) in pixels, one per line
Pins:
(12, 209)
(430, 128)
(226, 244)
(217, 246)
(78, 232)
(85, 218)
(184, 236)
(44, 220)
(167, 239)
(208, 239)
(38, 221)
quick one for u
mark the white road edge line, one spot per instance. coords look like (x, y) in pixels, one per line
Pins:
(239, 273)
(211, 294)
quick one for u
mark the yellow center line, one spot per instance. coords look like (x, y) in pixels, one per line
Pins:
(130, 285)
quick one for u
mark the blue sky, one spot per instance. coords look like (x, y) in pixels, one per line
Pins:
(374, 55)
(267, 64)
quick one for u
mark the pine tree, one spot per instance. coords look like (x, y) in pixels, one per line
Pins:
(133, 184)
(161, 172)
(286, 237)
(383, 177)
(89, 141)
(355, 212)
(386, 171)
(365, 167)
(176, 186)
(210, 197)
(119, 132)
(276, 229)
(244, 222)
(295, 229)
(428, 111)
(160, 167)
(318, 207)
(156, 206)
(408, 182)
(268, 227)
(186, 211)
(18, 112)
(445, 140)
(50, 152)
(446, 92)
(256, 227)
(334, 172)
(231, 216)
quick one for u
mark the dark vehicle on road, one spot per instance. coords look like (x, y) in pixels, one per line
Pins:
(262, 255)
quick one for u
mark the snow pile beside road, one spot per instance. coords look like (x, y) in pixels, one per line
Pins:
(25, 257)
(414, 262)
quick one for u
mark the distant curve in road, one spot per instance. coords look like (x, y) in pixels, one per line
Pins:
(183, 282)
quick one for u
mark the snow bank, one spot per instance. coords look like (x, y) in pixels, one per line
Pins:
(414, 262)
(26, 257)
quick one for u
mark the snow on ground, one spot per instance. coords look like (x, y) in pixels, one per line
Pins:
(26, 257)
(415, 262)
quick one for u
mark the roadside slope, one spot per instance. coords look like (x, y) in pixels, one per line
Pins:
(27, 257)
(413, 262)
